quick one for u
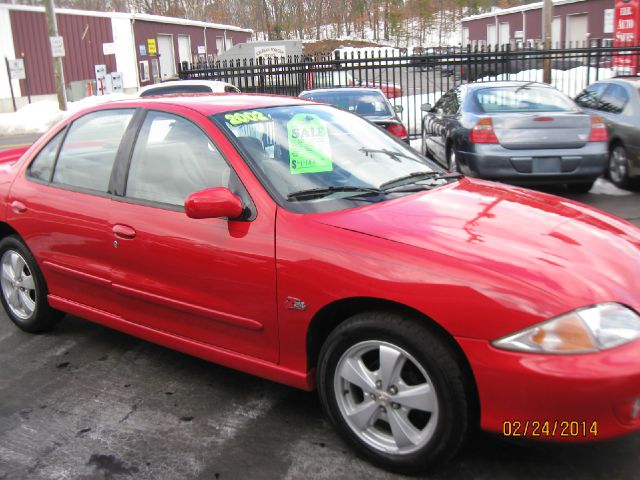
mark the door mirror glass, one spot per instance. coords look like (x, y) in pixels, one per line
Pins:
(426, 107)
(398, 108)
(213, 203)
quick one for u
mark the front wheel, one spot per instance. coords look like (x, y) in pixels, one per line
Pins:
(394, 390)
(24, 294)
(452, 160)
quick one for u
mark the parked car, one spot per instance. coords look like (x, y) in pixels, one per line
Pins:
(329, 78)
(421, 304)
(618, 102)
(188, 86)
(519, 132)
(369, 103)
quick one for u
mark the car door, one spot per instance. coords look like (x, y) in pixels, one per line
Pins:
(443, 119)
(61, 208)
(209, 280)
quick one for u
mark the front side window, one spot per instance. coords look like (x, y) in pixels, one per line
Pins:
(42, 166)
(315, 158)
(90, 148)
(614, 100)
(173, 158)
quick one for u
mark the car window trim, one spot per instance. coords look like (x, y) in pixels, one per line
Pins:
(119, 172)
(126, 166)
(28, 175)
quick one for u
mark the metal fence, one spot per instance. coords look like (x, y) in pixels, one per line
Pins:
(412, 80)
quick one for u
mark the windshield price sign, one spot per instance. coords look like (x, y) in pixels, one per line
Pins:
(309, 149)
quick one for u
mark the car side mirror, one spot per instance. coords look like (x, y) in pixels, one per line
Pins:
(426, 107)
(213, 203)
(398, 108)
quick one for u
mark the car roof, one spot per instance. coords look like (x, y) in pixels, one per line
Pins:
(174, 83)
(505, 83)
(635, 81)
(342, 89)
(212, 103)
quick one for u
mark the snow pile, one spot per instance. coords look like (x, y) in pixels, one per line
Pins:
(571, 82)
(412, 114)
(604, 187)
(370, 52)
(38, 117)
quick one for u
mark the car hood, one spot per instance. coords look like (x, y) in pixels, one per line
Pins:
(568, 251)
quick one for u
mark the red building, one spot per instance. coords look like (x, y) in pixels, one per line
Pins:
(575, 23)
(144, 48)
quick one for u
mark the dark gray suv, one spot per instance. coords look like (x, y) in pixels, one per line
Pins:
(617, 101)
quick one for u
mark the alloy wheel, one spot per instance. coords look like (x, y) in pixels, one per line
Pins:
(386, 397)
(18, 285)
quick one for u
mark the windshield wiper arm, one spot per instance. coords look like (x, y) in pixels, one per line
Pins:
(324, 191)
(394, 155)
(401, 181)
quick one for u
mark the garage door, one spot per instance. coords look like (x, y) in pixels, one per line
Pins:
(167, 58)
(184, 48)
(504, 33)
(492, 37)
(577, 28)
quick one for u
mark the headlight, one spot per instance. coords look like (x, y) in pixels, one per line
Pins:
(585, 330)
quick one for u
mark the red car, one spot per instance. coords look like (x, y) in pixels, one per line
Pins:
(299, 242)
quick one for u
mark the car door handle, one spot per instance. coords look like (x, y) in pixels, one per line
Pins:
(18, 207)
(123, 231)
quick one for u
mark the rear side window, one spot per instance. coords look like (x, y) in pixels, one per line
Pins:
(590, 97)
(89, 149)
(42, 167)
(614, 100)
(172, 159)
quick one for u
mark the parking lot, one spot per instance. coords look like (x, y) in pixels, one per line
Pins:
(87, 402)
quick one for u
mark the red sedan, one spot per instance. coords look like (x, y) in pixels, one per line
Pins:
(298, 242)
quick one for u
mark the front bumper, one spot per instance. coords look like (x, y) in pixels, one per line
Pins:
(544, 166)
(571, 393)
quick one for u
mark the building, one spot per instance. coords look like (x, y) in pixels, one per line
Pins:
(144, 49)
(575, 22)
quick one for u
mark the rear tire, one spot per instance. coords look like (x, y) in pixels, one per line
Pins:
(580, 187)
(452, 159)
(394, 391)
(23, 289)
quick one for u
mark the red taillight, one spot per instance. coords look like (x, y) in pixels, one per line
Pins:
(397, 129)
(482, 132)
(598, 130)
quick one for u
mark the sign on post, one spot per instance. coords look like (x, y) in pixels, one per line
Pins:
(627, 34)
(16, 69)
(57, 46)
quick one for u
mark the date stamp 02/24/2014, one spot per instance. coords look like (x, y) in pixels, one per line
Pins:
(550, 428)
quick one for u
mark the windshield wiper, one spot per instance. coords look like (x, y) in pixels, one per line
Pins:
(526, 85)
(394, 155)
(324, 191)
(417, 176)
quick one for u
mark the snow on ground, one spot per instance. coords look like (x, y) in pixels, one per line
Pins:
(605, 187)
(38, 117)
(571, 82)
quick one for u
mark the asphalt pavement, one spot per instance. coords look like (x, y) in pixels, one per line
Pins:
(86, 402)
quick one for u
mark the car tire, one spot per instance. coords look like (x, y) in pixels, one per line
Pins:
(395, 391)
(580, 187)
(24, 292)
(618, 169)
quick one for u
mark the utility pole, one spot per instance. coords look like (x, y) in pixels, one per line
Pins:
(58, 74)
(547, 22)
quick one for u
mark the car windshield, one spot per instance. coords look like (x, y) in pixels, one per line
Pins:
(316, 158)
(367, 104)
(523, 98)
